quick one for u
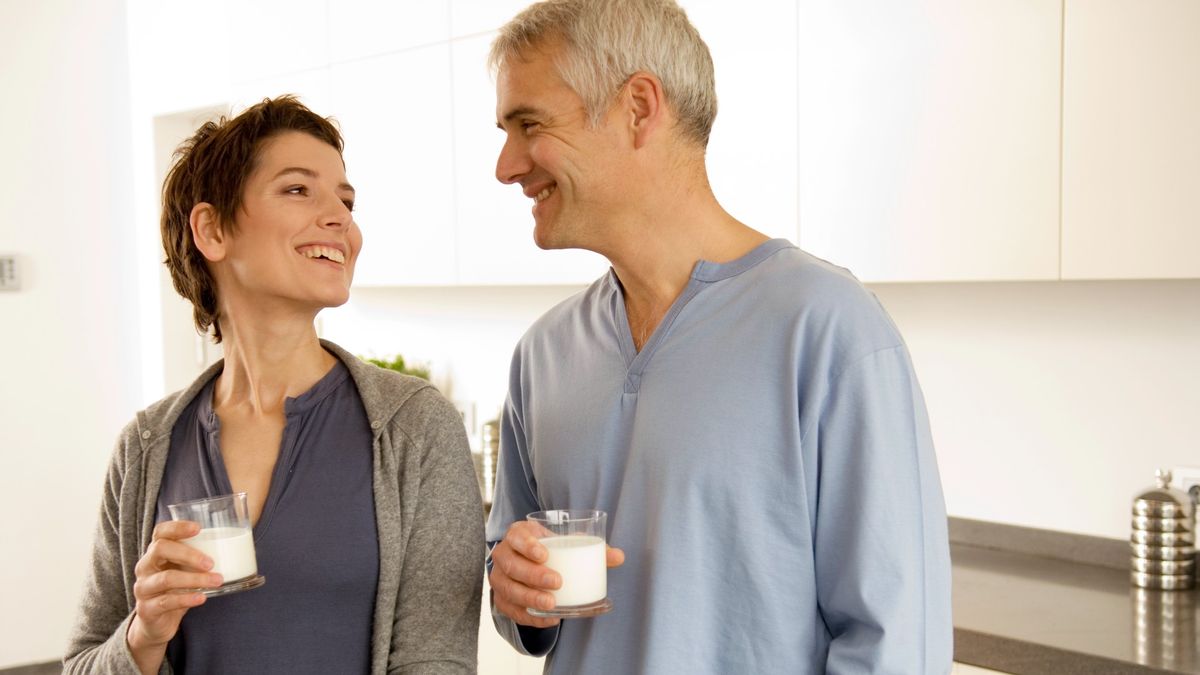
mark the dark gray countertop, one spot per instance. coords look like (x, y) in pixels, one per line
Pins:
(1033, 602)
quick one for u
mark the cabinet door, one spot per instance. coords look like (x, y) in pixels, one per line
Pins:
(469, 17)
(395, 115)
(494, 221)
(359, 28)
(752, 150)
(1131, 139)
(180, 56)
(274, 37)
(929, 137)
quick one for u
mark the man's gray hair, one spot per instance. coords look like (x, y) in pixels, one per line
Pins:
(607, 41)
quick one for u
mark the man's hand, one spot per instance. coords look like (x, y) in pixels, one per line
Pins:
(521, 580)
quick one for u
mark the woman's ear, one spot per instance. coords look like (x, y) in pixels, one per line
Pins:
(207, 231)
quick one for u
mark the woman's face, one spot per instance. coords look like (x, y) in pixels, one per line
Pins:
(295, 241)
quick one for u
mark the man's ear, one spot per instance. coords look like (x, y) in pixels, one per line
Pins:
(207, 232)
(647, 106)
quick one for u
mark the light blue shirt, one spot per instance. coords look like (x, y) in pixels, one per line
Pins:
(767, 468)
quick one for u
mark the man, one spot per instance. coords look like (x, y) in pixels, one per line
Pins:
(746, 413)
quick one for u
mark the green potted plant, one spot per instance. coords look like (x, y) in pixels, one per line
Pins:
(398, 364)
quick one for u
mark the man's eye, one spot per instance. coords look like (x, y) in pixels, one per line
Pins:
(349, 204)
(528, 126)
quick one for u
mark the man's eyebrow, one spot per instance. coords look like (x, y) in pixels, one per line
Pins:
(311, 174)
(517, 112)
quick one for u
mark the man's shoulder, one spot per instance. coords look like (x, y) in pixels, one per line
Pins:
(800, 288)
(564, 317)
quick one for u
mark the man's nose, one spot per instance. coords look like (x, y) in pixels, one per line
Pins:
(513, 162)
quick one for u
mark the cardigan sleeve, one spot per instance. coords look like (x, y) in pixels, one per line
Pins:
(97, 642)
(436, 622)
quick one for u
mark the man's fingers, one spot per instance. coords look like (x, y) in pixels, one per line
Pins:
(516, 566)
(616, 557)
(522, 616)
(522, 537)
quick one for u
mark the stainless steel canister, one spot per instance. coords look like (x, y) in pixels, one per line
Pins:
(1163, 538)
(485, 468)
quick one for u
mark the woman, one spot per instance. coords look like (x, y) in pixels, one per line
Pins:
(366, 512)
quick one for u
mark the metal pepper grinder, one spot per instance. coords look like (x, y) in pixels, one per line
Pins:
(1163, 540)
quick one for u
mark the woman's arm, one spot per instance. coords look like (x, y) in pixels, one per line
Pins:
(436, 626)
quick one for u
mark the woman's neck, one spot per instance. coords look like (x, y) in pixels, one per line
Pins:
(267, 363)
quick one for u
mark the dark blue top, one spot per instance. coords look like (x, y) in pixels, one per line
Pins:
(315, 541)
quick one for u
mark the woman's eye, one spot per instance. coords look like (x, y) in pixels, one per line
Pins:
(349, 204)
(297, 190)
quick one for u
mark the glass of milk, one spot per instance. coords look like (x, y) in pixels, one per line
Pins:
(575, 540)
(226, 537)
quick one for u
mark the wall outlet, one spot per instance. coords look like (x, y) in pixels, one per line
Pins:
(10, 273)
(1187, 478)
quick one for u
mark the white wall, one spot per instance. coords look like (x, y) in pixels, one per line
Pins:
(68, 339)
(1052, 403)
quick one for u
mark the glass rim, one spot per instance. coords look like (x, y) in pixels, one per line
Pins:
(193, 502)
(572, 516)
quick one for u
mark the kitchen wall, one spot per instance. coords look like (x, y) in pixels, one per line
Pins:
(69, 346)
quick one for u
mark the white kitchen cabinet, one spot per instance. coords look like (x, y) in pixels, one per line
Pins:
(929, 137)
(311, 86)
(470, 17)
(180, 57)
(1131, 139)
(494, 221)
(752, 150)
(272, 37)
(361, 28)
(395, 114)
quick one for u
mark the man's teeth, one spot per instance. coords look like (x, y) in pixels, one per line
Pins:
(324, 252)
(543, 194)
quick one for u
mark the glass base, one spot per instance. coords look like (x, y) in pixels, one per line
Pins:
(575, 611)
(233, 586)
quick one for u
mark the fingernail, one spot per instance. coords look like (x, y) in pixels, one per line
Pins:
(548, 581)
(215, 579)
(546, 602)
(207, 563)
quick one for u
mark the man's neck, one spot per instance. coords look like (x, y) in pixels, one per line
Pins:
(655, 258)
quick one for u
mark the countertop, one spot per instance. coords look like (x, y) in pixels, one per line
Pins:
(1032, 601)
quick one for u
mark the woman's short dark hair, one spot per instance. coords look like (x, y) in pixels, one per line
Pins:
(212, 166)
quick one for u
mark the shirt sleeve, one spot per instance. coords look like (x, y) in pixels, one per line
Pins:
(515, 496)
(436, 623)
(97, 643)
(881, 544)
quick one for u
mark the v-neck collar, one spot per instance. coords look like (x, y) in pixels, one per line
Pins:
(293, 407)
(704, 273)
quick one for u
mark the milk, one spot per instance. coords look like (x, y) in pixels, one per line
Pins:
(231, 548)
(580, 560)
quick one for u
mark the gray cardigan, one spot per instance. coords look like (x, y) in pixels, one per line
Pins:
(429, 520)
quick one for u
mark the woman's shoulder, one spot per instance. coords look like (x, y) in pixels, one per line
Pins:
(389, 396)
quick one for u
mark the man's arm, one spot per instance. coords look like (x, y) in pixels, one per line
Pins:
(882, 551)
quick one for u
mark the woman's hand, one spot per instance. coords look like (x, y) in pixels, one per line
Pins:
(163, 573)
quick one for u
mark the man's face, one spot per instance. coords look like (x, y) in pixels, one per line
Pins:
(569, 170)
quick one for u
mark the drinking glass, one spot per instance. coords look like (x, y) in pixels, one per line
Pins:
(575, 540)
(226, 537)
